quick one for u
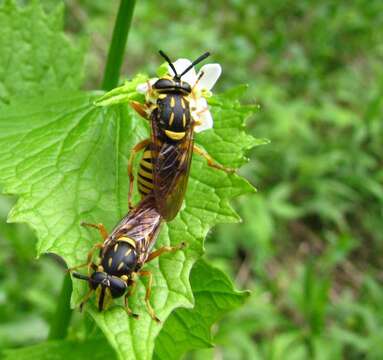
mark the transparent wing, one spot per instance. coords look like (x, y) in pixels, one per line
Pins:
(171, 166)
(141, 224)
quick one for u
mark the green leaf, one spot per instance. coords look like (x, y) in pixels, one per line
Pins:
(122, 94)
(228, 140)
(187, 330)
(35, 54)
(66, 160)
(162, 70)
(97, 349)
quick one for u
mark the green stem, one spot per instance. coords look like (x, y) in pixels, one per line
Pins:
(117, 47)
(60, 322)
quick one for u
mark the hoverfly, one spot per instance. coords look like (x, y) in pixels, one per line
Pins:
(122, 255)
(164, 168)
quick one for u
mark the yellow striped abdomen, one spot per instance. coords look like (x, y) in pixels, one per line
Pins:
(145, 173)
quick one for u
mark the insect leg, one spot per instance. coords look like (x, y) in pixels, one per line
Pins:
(147, 295)
(89, 261)
(86, 298)
(99, 227)
(132, 288)
(138, 147)
(210, 160)
(165, 249)
(141, 109)
(127, 308)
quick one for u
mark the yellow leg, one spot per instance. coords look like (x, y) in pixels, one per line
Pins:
(100, 227)
(138, 147)
(132, 288)
(150, 92)
(127, 308)
(141, 109)
(89, 260)
(165, 249)
(147, 295)
(150, 88)
(210, 160)
(86, 298)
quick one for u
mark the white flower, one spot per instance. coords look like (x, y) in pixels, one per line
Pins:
(200, 112)
(144, 87)
(201, 84)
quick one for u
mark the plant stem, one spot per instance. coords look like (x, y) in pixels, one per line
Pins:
(60, 322)
(117, 47)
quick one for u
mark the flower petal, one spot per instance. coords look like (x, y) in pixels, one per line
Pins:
(211, 73)
(201, 113)
(198, 104)
(180, 65)
(206, 121)
(143, 87)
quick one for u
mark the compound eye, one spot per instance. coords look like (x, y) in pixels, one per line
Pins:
(117, 287)
(97, 278)
(186, 86)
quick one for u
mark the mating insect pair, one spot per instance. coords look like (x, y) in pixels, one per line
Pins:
(162, 182)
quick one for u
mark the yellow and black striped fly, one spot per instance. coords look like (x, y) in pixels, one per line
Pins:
(165, 165)
(122, 255)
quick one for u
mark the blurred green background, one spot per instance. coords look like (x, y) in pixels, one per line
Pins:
(310, 245)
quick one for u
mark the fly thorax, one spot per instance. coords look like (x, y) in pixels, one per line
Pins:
(121, 258)
(173, 116)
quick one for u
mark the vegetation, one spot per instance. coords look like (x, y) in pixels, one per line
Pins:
(310, 241)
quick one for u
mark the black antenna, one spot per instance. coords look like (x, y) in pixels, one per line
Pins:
(195, 62)
(169, 62)
(80, 276)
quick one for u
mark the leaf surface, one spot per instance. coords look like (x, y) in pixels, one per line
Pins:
(62, 350)
(190, 329)
(66, 160)
(35, 53)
